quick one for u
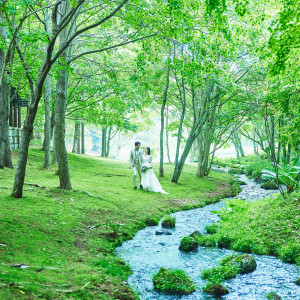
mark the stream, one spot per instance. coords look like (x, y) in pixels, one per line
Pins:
(147, 252)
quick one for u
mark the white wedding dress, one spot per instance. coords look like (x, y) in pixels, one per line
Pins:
(149, 180)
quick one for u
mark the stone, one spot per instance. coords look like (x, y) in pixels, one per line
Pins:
(273, 296)
(195, 233)
(188, 244)
(245, 263)
(269, 185)
(297, 281)
(163, 232)
(215, 289)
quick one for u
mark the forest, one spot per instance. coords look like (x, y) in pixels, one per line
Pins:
(208, 73)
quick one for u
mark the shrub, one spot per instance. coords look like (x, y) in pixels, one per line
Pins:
(224, 242)
(221, 273)
(212, 228)
(173, 281)
(152, 221)
(206, 241)
(269, 185)
(215, 288)
(254, 169)
(243, 246)
(168, 222)
(289, 253)
(188, 244)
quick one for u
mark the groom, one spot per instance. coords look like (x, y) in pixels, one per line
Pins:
(135, 162)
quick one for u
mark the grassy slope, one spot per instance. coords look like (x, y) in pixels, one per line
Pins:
(267, 226)
(49, 227)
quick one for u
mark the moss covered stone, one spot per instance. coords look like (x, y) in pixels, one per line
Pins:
(173, 281)
(273, 296)
(188, 244)
(220, 273)
(269, 185)
(215, 289)
(195, 234)
(245, 263)
(152, 221)
(168, 222)
(297, 281)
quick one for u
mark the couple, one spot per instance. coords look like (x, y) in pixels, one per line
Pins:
(142, 163)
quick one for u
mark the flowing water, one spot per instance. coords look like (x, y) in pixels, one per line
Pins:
(147, 252)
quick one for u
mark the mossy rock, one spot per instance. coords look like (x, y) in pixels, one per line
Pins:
(212, 228)
(215, 289)
(240, 182)
(273, 296)
(168, 222)
(206, 241)
(245, 263)
(152, 221)
(173, 282)
(220, 273)
(188, 244)
(195, 233)
(297, 281)
(269, 185)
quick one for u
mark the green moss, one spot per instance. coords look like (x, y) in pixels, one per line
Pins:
(243, 263)
(152, 221)
(220, 273)
(215, 289)
(297, 281)
(269, 185)
(273, 296)
(206, 241)
(188, 244)
(224, 242)
(212, 228)
(168, 222)
(268, 226)
(195, 234)
(76, 234)
(173, 281)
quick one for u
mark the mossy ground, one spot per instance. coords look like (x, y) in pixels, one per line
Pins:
(268, 226)
(76, 234)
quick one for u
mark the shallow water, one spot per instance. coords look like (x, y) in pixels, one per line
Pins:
(147, 252)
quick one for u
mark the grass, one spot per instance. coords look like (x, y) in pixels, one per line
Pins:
(173, 282)
(67, 238)
(269, 226)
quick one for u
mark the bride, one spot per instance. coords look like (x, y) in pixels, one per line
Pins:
(149, 181)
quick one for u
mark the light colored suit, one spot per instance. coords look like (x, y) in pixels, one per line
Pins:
(135, 161)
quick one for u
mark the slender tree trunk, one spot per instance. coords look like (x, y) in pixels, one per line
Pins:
(103, 150)
(47, 139)
(76, 138)
(167, 135)
(108, 141)
(5, 155)
(82, 139)
(239, 145)
(60, 109)
(162, 120)
(54, 156)
(235, 143)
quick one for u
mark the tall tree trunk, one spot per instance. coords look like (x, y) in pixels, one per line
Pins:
(162, 120)
(167, 135)
(5, 156)
(108, 141)
(76, 140)
(235, 143)
(47, 139)
(82, 138)
(47, 127)
(204, 142)
(54, 156)
(60, 109)
(103, 150)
